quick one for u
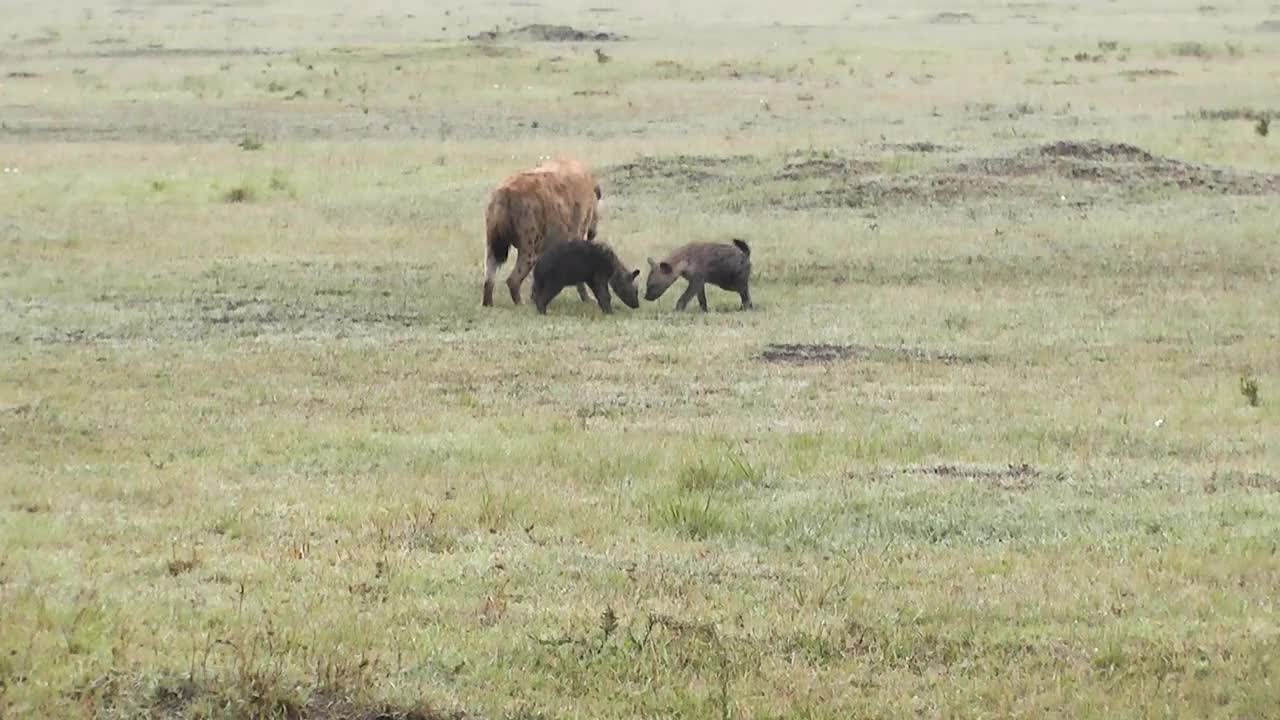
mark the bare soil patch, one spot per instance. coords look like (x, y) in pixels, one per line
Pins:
(923, 147)
(1269, 26)
(540, 32)
(944, 189)
(174, 696)
(1014, 476)
(1236, 113)
(810, 354)
(198, 123)
(1147, 73)
(1223, 480)
(953, 18)
(111, 49)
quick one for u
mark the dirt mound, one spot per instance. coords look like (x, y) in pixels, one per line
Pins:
(675, 171)
(806, 354)
(540, 32)
(804, 166)
(1119, 165)
(1086, 171)
(1092, 150)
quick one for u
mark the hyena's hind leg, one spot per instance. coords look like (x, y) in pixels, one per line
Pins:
(490, 271)
(582, 292)
(744, 291)
(524, 266)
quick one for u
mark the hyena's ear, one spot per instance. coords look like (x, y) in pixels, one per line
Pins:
(653, 264)
(635, 273)
(665, 268)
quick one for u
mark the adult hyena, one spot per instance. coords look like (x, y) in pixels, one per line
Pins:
(534, 209)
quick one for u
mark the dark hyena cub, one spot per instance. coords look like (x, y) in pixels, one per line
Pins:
(721, 264)
(583, 261)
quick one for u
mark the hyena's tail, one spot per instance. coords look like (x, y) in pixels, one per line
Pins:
(500, 232)
(500, 235)
(742, 245)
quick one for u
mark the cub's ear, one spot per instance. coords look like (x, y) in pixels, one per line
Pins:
(635, 273)
(652, 263)
(665, 267)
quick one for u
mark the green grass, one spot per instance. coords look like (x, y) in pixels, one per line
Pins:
(265, 455)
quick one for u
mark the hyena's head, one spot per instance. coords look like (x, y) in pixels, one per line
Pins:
(661, 275)
(623, 282)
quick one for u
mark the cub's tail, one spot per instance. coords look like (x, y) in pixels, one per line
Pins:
(742, 245)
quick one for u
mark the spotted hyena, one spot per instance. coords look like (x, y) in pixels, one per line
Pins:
(534, 209)
(584, 262)
(721, 264)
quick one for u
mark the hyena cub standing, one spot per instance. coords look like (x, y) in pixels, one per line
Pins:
(588, 262)
(721, 264)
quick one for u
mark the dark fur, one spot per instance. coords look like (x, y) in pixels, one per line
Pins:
(587, 262)
(721, 264)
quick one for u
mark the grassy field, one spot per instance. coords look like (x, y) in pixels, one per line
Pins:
(1000, 439)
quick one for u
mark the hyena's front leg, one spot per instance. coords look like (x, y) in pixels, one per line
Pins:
(601, 289)
(695, 286)
(745, 293)
(524, 266)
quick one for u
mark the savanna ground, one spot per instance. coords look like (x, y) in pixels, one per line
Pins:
(999, 440)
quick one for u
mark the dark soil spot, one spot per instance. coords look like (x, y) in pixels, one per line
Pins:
(174, 695)
(1011, 477)
(1237, 113)
(22, 75)
(924, 147)
(1269, 26)
(1147, 73)
(602, 10)
(546, 33)
(592, 93)
(952, 18)
(806, 354)
(1236, 479)
(181, 566)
